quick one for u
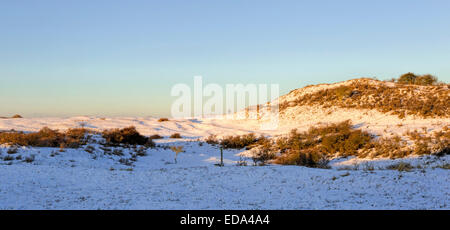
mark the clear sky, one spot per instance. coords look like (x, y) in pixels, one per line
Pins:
(120, 58)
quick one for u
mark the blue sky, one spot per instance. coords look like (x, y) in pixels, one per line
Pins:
(117, 58)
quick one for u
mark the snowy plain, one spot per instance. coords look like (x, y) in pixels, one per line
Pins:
(76, 179)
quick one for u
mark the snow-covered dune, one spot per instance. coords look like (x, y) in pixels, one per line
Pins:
(99, 176)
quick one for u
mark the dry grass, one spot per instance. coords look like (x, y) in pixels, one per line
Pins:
(72, 138)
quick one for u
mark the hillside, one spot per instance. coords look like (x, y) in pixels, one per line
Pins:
(379, 107)
(368, 94)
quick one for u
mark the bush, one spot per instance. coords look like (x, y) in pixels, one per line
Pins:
(29, 159)
(411, 78)
(8, 158)
(127, 135)
(308, 158)
(156, 136)
(45, 138)
(239, 142)
(16, 116)
(426, 79)
(262, 156)
(212, 140)
(175, 135)
(12, 150)
(163, 119)
(313, 147)
(347, 143)
(402, 166)
(407, 78)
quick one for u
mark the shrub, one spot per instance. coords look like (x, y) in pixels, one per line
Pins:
(426, 79)
(334, 138)
(444, 166)
(346, 143)
(141, 152)
(212, 140)
(407, 78)
(262, 156)
(127, 135)
(313, 147)
(117, 152)
(402, 166)
(238, 142)
(163, 119)
(308, 158)
(16, 116)
(175, 135)
(411, 78)
(156, 136)
(12, 150)
(76, 137)
(388, 147)
(241, 162)
(8, 158)
(89, 149)
(45, 138)
(421, 148)
(125, 161)
(29, 159)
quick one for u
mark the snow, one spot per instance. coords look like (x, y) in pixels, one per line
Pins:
(75, 179)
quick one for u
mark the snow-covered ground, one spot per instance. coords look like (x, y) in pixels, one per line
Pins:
(76, 179)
